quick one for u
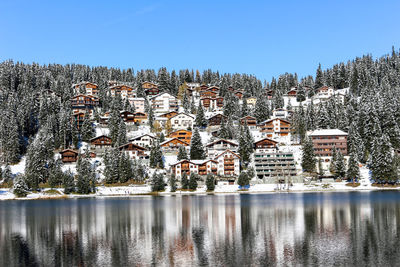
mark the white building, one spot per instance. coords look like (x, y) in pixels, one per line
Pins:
(182, 121)
(219, 146)
(164, 102)
(144, 140)
(228, 163)
(200, 167)
(138, 102)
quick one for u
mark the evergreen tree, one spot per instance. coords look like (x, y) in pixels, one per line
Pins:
(156, 156)
(182, 154)
(332, 166)
(200, 120)
(353, 170)
(243, 179)
(196, 146)
(340, 166)
(20, 189)
(319, 78)
(245, 109)
(68, 182)
(85, 176)
(193, 181)
(262, 110)
(184, 181)
(121, 137)
(210, 182)
(308, 161)
(157, 182)
(56, 175)
(301, 94)
(172, 183)
(87, 130)
(320, 168)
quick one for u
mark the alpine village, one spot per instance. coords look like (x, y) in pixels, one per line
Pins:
(78, 130)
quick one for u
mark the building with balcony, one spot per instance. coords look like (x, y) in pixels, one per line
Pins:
(325, 140)
(219, 146)
(228, 164)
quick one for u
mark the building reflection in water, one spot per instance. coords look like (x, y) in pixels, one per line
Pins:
(224, 230)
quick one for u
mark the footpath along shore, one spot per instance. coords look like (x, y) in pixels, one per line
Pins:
(145, 190)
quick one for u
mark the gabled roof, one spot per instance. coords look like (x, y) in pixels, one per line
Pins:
(182, 113)
(160, 94)
(222, 140)
(179, 141)
(215, 115)
(165, 114)
(136, 146)
(83, 83)
(97, 137)
(181, 130)
(69, 150)
(236, 155)
(264, 122)
(90, 96)
(248, 117)
(194, 162)
(140, 136)
(266, 139)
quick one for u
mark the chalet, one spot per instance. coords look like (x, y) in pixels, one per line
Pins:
(280, 113)
(276, 128)
(127, 116)
(140, 118)
(144, 140)
(138, 103)
(203, 87)
(150, 88)
(270, 94)
(172, 146)
(250, 120)
(149, 85)
(78, 119)
(219, 146)
(192, 86)
(208, 93)
(324, 93)
(228, 163)
(83, 103)
(200, 167)
(183, 135)
(213, 89)
(69, 156)
(124, 91)
(87, 88)
(292, 93)
(251, 101)
(164, 102)
(182, 121)
(231, 89)
(265, 145)
(239, 94)
(212, 104)
(100, 143)
(216, 120)
(325, 140)
(134, 151)
(168, 115)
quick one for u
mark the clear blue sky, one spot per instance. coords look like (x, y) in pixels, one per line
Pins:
(265, 38)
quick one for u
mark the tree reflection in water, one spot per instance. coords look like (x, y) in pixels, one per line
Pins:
(220, 230)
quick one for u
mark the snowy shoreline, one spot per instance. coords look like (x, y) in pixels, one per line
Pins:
(140, 191)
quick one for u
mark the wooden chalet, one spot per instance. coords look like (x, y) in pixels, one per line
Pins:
(127, 116)
(239, 94)
(218, 146)
(203, 87)
(250, 120)
(122, 90)
(88, 88)
(208, 93)
(173, 145)
(275, 128)
(205, 167)
(292, 93)
(69, 156)
(133, 150)
(100, 143)
(78, 119)
(149, 85)
(265, 145)
(183, 135)
(140, 117)
(216, 120)
(83, 102)
(201, 167)
(150, 88)
(213, 89)
(169, 115)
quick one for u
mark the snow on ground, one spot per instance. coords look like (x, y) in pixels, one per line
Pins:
(102, 131)
(19, 167)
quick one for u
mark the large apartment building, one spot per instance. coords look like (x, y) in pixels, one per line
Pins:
(325, 140)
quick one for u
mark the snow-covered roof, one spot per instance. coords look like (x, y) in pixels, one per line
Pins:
(328, 132)
(140, 136)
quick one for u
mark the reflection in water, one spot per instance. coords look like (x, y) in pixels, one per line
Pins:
(225, 230)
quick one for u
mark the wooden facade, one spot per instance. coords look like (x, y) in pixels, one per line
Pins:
(228, 163)
(69, 156)
(250, 120)
(127, 116)
(216, 120)
(101, 142)
(183, 135)
(200, 167)
(169, 115)
(122, 90)
(207, 93)
(265, 145)
(275, 128)
(134, 150)
(140, 117)
(325, 140)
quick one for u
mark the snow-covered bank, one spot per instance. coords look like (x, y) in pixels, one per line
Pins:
(126, 191)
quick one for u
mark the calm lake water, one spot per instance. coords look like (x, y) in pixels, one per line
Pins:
(324, 229)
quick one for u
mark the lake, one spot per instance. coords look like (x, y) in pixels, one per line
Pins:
(355, 228)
